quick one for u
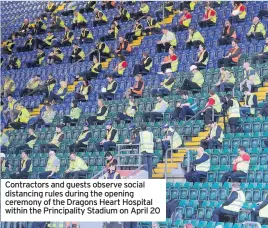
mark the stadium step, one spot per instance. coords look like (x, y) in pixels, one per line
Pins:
(261, 95)
(158, 175)
(167, 20)
(169, 165)
(174, 159)
(162, 170)
(106, 63)
(36, 111)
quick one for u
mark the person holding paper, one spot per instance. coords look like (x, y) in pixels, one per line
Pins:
(77, 169)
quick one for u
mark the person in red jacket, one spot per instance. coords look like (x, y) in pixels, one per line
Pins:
(210, 17)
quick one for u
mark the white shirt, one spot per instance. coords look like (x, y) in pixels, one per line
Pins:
(168, 37)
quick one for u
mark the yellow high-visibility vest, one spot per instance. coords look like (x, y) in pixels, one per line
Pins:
(196, 36)
(32, 142)
(110, 86)
(236, 205)
(95, 66)
(204, 166)
(149, 66)
(60, 91)
(3, 166)
(263, 213)
(120, 72)
(217, 106)
(231, 78)
(169, 87)
(23, 116)
(144, 8)
(131, 111)
(198, 78)
(103, 117)
(8, 85)
(213, 134)
(82, 136)
(200, 57)
(146, 141)
(4, 135)
(50, 166)
(78, 164)
(109, 134)
(23, 164)
(234, 111)
(176, 140)
(79, 19)
(55, 140)
(84, 91)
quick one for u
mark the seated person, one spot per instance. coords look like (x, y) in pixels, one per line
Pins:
(185, 107)
(168, 9)
(78, 20)
(201, 164)
(129, 112)
(90, 5)
(24, 167)
(227, 80)
(168, 40)
(56, 56)
(85, 36)
(261, 57)
(28, 45)
(8, 87)
(4, 142)
(4, 164)
(214, 138)
(250, 103)
(195, 38)
(111, 172)
(109, 91)
(196, 82)
(8, 45)
(48, 86)
(57, 23)
(83, 92)
(143, 11)
(120, 67)
(228, 34)
(137, 89)
(46, 42)
(166, 85)
(124, 47)
(82, 140)
(13, 62)
(93, 72)
(40, 56)
(184, 21)
(74, 114)
(110, 139)
(135, 33)
(59, 96)
(39, 27)
(77, 54)
(145, 65)
(23, 118)
(55, 142)
(100, 18)
(77, 168)
(100, 117)
(112, 33)
(251, 77)
(30, 141)
(209, 18)
(202, 57)
(11, 112)
(101, 49)
(53, 166)
(31, 86)
(46, 118)
(159, 110)
(260, 210)
(153, 26)
(170, 62)
(24, 28)
(124, 15)
(67, 39)
(239, 13)
(257, 30)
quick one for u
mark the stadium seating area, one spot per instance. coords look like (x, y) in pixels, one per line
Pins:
(196, 201)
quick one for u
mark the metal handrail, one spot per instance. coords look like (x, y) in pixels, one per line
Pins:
(138, 169)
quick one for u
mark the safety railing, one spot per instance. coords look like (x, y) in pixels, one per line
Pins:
(128, 147)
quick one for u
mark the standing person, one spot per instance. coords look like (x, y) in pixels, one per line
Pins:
(232, 205)
(129, 113)
(214, 138)
(158, 112)
(168, 40)
(23, 118)
(100, 117)
(84, 91)
(146, 141)
(137, 89)
(228, 34)
(196, 82)
(110, 90)
(263, 56)
(55, 142)
(250, 103)
(11, 112)
(82, 140)
(184, 21)
(166, 85)
(111, 172)
(240, 167)
(251, 77)
(170, 62)
(239, 13)
(232, 57)
(171, 139)
(261, 210)
(110, 139)
(77, 168)
(201, 164)
(24, 167)
(226, 81)
(4, 140)
(30, 141)
(233, 113)
(53, 166)
(195, 38)
(257, 30)
(74, 114)
(46, 118)
(144, 66)
(209, 18)
(202, 57)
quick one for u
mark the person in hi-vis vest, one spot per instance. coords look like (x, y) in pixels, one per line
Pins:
(201, 164)
(111, 172)
(146, 141)
(53, 166)
(168, 40)
(228, 34)
(110, 139)
(110, 90)
(240, 167)
(232, 205)
(30, 141)
(251, 77)
(100, 116)
(232, 111)
(166, 85)
(215, 137)
(250, 103)
(4, 141)
(24, 167)
(82, 140)
(261, 210)
(129, 113)
(77, 168)
(171, 139)
(4, 164)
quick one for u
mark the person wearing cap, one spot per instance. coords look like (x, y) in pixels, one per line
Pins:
(24, 167)
(133, 135)
(250, 103)
(101, 115)
(101, 49)
(86, 36)
(168, 40)
(214, 138)
(158, 112)
(83, 92)
(202, 57)
(240, 167)
(251, 77)
(56, 56)
(8, 87)
(13, 62)
(129, 113)
(233, 112)
(213, 106)
(59, 96)
(195, 82)
(186, 107)
(110, 89)
(111, 172)
(153, 26)
(170, 62)
(110, 139)
(78, 20)
(74, 115)
(261, 210)
(11, 112)
(52, 167)
(77, 168)
(201, 166)
(232, 205)
(4, 139)
(166, 85)
(30, 141)
(31, 85)
(82, 140)
(144, 66)
(171, 139)
(45, 118)
(67, 39)
(77, 54)
(22, 119)
(227, 80)
(4, 164)
(120, 67)
(146, 141)
(195, 38)
(40, 56)
(55, 142)
(28, 45)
